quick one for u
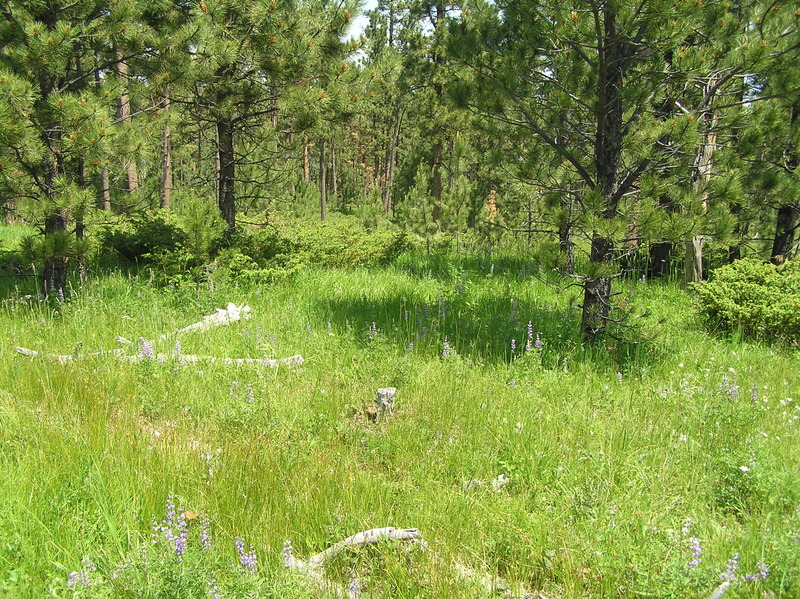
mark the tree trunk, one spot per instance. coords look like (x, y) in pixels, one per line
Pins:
(785, 226)
(607, 152)
(701, 175)
(323, 200)
(166, 154)
(226, 200)
(124, 116)
(106, 191)
(391, 157)
(334, 184)
(306, 166)
(436, 186)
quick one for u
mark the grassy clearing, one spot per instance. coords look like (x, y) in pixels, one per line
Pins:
(607, 453)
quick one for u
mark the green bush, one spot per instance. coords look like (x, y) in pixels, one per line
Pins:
(142, 237)
(758, 299)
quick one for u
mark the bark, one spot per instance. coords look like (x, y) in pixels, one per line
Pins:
(226, 200)
(105, 192)
(306, 167)
(701, 175)
(608, 150)
(334, 185)
(124, 116)
(785, 226)
(166, 154)
(391, 157)
(323, 200)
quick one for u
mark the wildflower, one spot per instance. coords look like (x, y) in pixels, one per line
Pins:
(513, 345)
(619, 377)
(730, 570)
(205, 533)
(234, 384)
(181, 538)
(145, 349)
(687, 524)
(246, 559)
(762, 574)
(697, 551)
(373, 331)
(249, 394)
(330, 326)
(308, 327)
(61, 295)
(445, 349)
(288, 556)
(213, 589)
(529, 342)
(178, 349)
(538, 343)
(754, 394)
(411, 346)
(734, 392)
(354, 589)
(744, 468)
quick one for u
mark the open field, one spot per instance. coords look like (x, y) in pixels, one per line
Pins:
(567, 473)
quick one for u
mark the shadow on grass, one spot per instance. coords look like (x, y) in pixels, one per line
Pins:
(486, 323)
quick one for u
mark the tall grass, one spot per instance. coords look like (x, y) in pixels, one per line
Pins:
(606, 452)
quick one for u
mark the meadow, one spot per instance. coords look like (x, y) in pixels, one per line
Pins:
(661, 469)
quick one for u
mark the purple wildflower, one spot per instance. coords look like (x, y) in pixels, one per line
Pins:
(145, 349)
(61, 295)
(213, 589)
(178, 349)
(697, 551)
(373, 331)
(529, 342)
(205, 533)
(234, 384)
(246, 558)
(249, 394)
(730, 570)
(754, 394)
(354, 589)
(734, 392)
(308, 328)
(538, 343)
(445, 349)
(619, 377)
(513, 345)
(181, 538)
(411, 346)
(288, 556)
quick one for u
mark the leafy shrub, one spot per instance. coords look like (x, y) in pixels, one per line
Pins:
(142, 237)
(758, 299)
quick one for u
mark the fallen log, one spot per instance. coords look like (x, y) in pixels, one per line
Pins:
(296, 360)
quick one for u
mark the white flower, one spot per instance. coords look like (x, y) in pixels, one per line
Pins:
(744, 468)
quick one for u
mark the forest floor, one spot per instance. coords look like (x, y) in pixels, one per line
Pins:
(656, 470)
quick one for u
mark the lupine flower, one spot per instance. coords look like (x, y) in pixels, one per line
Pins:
(178, 349)
(146, 349)
(762, 574)
(61, 295)
(288, 556)
(373, 331)
(538, 343)
(246, 559)
(182, 537)
(731, 569)
(411, 346)
(687, 525)
(330, 326)
(213, 589)
(234, 384)
(529, 342)
(754, 394)
(697, 551)
(205, 533)
(354, 589)
(308, 327)
(619, 377)
(445, 349)
(734, 392)
(513, 345)
(249, 394)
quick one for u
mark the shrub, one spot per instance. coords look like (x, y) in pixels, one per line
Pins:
(143, 237)
(758, 299)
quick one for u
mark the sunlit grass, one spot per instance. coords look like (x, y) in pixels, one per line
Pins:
(606, 452)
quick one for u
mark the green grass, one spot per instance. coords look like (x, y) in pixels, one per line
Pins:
(603, 468)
